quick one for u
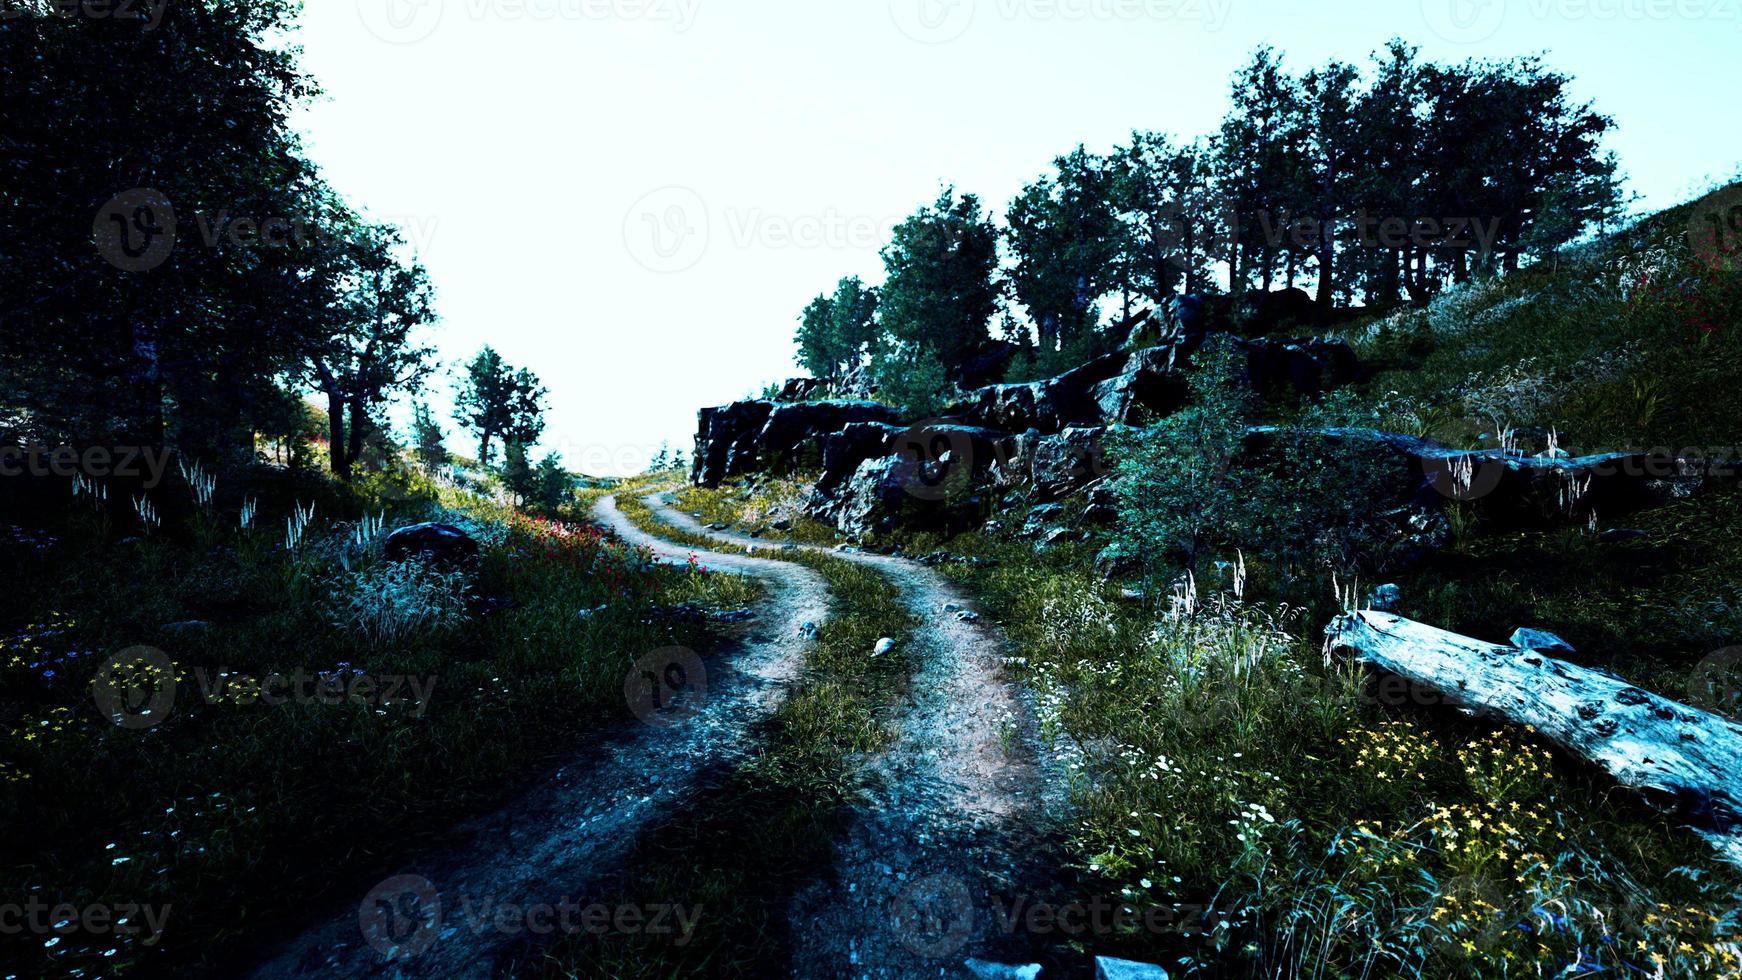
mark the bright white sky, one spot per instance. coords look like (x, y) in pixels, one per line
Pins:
(533, 148)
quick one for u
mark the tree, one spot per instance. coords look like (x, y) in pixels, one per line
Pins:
(1169, 232)
(496, 400)
(427, 436)
(517, 475)
(661, 460)
(1259, 162)
(369, 354)
(1064, 235)
(1329, 95)
(837, 331)
(939, 293)
(187, 346)
(552, 483)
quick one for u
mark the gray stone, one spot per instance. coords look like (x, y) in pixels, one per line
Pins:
(1385, 598)
(883, 646)
(437, 543)
(1108, 968)
(987, 970)
(1540, 641)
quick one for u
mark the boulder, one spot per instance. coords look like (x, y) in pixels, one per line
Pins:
(1108, 968)
(1264, 313)
(748, 436)
(801, 390)
(726, 441)
(434, 543)
(897, 491)
(1069, 461)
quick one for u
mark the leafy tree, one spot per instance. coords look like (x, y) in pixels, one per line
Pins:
(369, 354)
(1169, 233)
(913, 379)
(517, 475)
(1064, 235)
(189, 345)
(427, 435)
(940, 294)
(836, 331)
(552, 482)
(496, 400)
(1259, 162)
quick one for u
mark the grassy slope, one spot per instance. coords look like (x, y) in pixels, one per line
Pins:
(1226, 766)
(316, 800)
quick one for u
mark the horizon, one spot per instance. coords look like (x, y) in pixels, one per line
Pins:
(791, 139)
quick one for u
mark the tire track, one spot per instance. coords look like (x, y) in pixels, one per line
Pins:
(573, 831)
(964, 803)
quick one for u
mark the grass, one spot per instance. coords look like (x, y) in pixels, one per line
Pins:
(761, 831)
(228, 792)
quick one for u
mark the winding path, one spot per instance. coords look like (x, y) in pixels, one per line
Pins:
(565, 837)
(964, 808)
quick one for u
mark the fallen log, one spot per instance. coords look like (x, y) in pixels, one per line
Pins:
(1679, 757)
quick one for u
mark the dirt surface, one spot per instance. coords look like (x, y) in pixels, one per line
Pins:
(437, 917)
(964, 806)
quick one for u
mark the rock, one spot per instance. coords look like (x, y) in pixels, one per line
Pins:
(1114, 563)
(1053, 538)
(808, 630)
(590, 613)
(745, 437)
(1283, 309)
(1108, 968)
(895, 492)
(1616, 535)
(783, 525)
(1103, 509)
(718, 527)
(801, 390)
(435, 543)
(1541, 641)
(734, 616)
(987, 970)
(1131, 593)
(883, 646)
(187, 626)
(1385, 598)
(1040, 517)
(952, 607)
(1069, 461)
(968, 616)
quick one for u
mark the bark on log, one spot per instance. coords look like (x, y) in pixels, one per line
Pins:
(1680, 757)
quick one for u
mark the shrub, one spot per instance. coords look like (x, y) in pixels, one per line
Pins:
(392, 604)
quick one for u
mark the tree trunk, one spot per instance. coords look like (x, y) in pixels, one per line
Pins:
(336, 445)
(1681, 758)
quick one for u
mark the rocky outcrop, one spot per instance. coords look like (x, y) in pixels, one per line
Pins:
(900, 491)
(441, 544)
(1069, 461)
(863, 491)
(801, 390)
(748, 436)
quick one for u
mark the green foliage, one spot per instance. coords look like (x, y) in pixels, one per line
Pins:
(426, 437)
(837, 331)
(913, 379)
(497, 400)
(1064, 234)
(939, 294)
